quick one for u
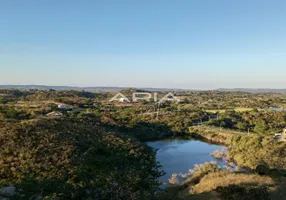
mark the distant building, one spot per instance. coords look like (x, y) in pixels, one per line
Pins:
(62, 106)
(54, 114)
(280, 136)
(123, 100)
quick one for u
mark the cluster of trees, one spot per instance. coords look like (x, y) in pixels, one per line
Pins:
(74, 159)
(146, 126)
(266, 122)
(56, 95)
(13, 114)
(7, 95)
(227, 100)
(253, 151)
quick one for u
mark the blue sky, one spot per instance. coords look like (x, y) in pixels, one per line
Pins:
(200, 44)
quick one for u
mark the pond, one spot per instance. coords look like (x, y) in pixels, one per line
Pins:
(178, 155)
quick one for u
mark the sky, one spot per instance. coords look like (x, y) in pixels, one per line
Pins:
(191, 44)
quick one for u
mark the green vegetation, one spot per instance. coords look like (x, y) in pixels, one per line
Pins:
(267, 152)
(242, 147)
(72, 159)
(263, 122)
(94, 149)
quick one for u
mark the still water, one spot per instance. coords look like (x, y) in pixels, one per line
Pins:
(178, 156)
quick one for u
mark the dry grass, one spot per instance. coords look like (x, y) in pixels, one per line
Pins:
(213, 134)
(224, 179)
(224, 185)
(219, 154)
(239, 109)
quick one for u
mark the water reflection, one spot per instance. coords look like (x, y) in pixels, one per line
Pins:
(178, 156)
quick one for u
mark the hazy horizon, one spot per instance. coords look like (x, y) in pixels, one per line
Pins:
(164, 44)
(147, 87)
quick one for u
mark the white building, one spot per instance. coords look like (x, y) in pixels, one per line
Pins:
(62, 106)
(124, 100)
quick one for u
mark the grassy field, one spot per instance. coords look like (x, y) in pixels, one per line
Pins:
(223, 130)
(236, 109)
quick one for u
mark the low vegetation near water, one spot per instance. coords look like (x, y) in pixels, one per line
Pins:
(247, 151)
(208, 181)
